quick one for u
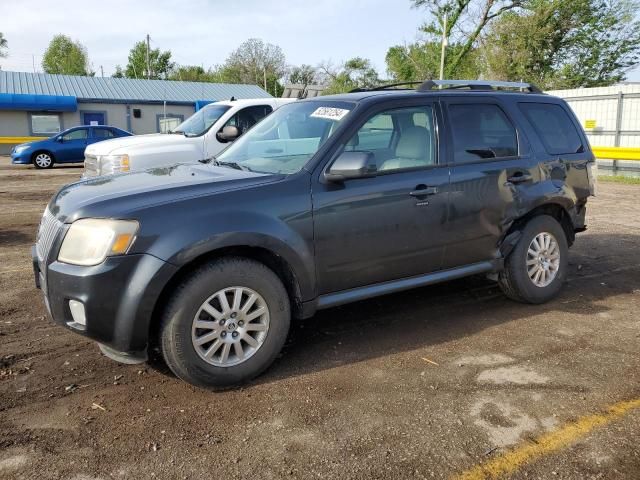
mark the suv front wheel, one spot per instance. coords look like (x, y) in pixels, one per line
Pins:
(537, 267)
(226, 323)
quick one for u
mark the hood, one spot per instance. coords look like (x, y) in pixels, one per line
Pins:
(121, 194)
(153, 140)
(34, 144)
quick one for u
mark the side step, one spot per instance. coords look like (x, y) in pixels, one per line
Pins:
(369, 291)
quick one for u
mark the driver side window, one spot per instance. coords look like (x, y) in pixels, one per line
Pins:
(399, 139)
(80, 134)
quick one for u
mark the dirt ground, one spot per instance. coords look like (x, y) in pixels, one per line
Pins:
(423, 384)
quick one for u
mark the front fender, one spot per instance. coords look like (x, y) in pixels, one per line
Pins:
(201, 231)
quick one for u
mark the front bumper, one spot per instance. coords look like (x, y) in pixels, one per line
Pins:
(22, 158)
(119, 297)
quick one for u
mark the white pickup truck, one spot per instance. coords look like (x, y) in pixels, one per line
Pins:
(199, 137)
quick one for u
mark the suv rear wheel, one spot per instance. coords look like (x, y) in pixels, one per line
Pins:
(537, 267)
(226, 323)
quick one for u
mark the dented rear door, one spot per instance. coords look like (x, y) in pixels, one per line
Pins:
(493, 172)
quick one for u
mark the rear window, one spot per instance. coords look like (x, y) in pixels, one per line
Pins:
(554, 127)
(481, 131)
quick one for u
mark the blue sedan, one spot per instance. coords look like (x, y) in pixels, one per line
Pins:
(64, 147)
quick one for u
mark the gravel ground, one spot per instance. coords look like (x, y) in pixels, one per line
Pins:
(423, 384)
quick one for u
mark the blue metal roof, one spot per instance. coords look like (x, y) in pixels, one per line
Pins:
(122, 89)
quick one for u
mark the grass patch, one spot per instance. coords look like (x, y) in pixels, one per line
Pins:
(619, 179)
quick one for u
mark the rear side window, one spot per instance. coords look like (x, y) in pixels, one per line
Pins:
(554, 127)
(481, 131)
(102, 133)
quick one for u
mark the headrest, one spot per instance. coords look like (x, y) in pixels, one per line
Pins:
(413, 143)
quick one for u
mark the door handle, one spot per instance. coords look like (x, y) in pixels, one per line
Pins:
(520, 178)
(423, 191)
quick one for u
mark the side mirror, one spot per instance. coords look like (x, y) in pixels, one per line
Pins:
(228, 134)
(352, 165)
(59, 139)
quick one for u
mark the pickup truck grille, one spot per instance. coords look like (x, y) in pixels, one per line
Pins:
(47, 233)
(91, 166)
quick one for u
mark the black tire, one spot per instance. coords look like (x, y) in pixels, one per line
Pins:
(176, 343)
(38, 157)
(514, 280)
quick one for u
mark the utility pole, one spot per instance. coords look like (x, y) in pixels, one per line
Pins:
(265, 78)
(148, 65)
(101, 71)
(444, 46)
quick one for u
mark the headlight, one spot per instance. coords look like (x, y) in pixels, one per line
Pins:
(113, 163)
(90, 240)
(20, 148)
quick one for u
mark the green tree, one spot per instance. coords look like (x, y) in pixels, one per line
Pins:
(160, 64)
(421, 61)
(66, 57)
(194, 73)
(466, 21)
(356, 72)
(565, 44)
(255, 62)
(119, 73)
(303, 75)
(3, 46)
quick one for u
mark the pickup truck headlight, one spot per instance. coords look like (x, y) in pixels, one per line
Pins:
(113, 163)
(90, 240)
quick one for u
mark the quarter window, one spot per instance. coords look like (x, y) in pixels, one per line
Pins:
(399, 139)
(481, 131)
(45, 124)
(554, 127)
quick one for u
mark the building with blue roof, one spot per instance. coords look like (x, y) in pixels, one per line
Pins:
(35, 105)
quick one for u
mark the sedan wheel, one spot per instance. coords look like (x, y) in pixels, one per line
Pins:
(43, 160)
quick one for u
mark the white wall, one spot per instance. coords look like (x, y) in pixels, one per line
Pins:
(601, 104)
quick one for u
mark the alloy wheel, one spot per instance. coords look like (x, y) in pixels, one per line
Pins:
(543, 259)
(230, 326)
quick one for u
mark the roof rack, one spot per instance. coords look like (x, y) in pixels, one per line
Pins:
(384, 87)
(429, 85)
(477, 85)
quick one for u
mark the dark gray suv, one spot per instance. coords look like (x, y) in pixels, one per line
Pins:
(327, 201)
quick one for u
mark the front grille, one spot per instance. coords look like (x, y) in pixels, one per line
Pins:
(91, 166)
(49, 228)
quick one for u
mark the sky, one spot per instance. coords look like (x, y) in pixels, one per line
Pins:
(204, 32)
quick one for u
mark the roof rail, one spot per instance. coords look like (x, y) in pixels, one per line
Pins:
(477, 85)
(384, 87)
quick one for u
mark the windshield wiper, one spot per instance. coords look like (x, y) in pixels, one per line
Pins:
(177, 131)
(236, 165)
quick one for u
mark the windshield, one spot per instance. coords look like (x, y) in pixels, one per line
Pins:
(285, 140)
(201, 121)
